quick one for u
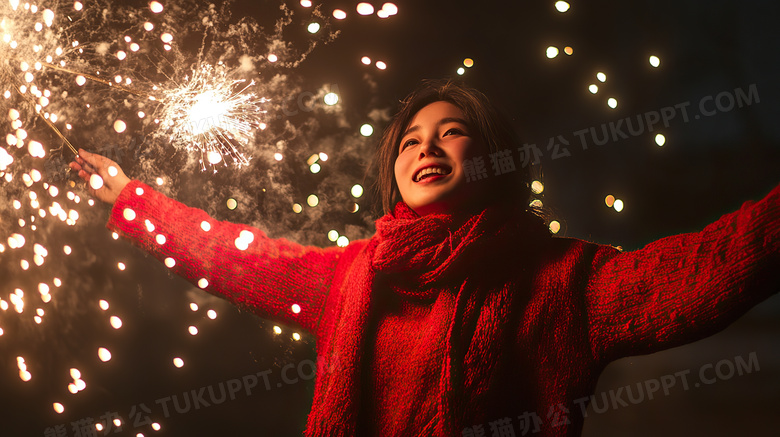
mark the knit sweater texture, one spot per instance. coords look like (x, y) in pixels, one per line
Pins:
(493, 328)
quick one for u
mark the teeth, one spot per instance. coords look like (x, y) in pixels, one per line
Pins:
(429, 170)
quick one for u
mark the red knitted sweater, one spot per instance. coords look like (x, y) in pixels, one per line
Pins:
(514, 334)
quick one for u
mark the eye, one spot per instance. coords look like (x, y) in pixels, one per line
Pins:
(408, 143)
(453, 131)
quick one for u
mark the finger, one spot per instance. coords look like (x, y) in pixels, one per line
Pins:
(89, 164)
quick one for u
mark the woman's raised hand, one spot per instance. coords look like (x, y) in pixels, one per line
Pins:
(104, 177)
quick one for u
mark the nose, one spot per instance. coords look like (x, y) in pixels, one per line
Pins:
(429, 148)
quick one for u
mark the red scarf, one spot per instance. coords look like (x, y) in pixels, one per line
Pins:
(419, 252)
(416, 255)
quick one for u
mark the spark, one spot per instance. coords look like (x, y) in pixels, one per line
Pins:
(209, 112)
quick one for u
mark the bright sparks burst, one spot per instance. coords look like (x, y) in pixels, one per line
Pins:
(213, 114)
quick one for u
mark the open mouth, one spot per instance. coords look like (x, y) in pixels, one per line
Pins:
(430, 172)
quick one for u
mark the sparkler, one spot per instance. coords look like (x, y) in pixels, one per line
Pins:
(209, 113)
(212, 114)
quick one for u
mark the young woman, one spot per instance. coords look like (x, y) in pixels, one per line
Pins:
(461, 315)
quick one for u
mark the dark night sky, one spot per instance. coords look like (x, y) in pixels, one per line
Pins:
(708, 167)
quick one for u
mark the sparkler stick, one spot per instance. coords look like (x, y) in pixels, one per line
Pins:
(98, 79)
(45, 120)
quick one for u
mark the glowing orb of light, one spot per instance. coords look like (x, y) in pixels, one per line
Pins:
(562, 6)
(247, 236)
(461, 71)
(356, 191)
(537, 187)
(655, 61)
(660, 139)
(6, 159)
(331, 99)
(381, 65)
(272, 58)
(211, 314)
(618, 205)
(96, 182)
(36, 149)
(297, 208)
(214, 157)
(203, 282)
(206, 226)
(148, 26)
(365, 8)
(121, 55)
(593, 88)
(612, 102)
(296, 336)
(315, 168)
(468, 62)
(568, 50)
(116, 322)
(193, 330)
(333, 235)
(552, 52)
(232, 204)
(155, 7)
(306, 3)
(313, 27)
(128, 214)
(390, 9)
(104, 355)
(170, 262)
(365, 60)
(366, 130)
(339, 14)
(178, 362)
(58, 408)
(601, 77)
(112, 171)
(166, 38)
(296, 308)
(555, 226)
(342, 241)
(120, 126)
(103, 305)
(277, 330)
(313, 200)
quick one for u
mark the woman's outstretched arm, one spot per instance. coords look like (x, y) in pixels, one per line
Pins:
(685, 287)
(275, 278)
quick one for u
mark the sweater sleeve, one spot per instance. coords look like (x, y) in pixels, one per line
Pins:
(685, 287)
(275, 278)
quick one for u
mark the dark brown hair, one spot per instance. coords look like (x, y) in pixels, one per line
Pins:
(487, 125)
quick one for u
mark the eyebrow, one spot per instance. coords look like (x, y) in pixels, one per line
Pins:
(439, 123)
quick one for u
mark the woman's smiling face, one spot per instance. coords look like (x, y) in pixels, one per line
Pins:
(429, 169)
